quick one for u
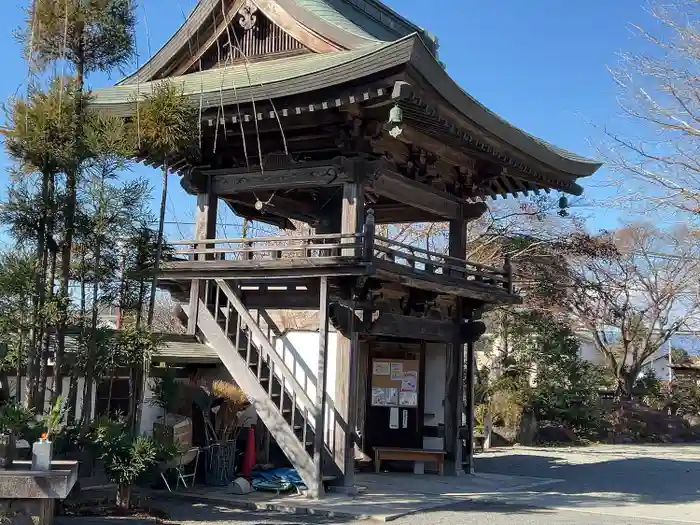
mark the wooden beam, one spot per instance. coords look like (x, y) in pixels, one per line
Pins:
(352, 221)
(471, 376)
(282, 207)
(288, 299)
(270, 269)
(304, 175)
(407, 327)
(249, 212)
(319, 427)
(204, 228)
(400, 213)
(402, 189)
(352, 214)
(454, 364)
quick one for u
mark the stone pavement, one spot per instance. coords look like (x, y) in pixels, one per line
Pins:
(656, 482)
(385, 497)
(606, 485)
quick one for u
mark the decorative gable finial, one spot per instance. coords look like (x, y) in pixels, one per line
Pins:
(248, 17)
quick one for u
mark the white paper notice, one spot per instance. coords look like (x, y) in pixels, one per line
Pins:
(404, 422)
(378, 397)
(408, 399)
(409, 383)
(396, 371)
(381, 368)
(394, 418)
(391, 397)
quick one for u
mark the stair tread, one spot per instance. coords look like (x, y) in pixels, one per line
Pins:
(276, 385)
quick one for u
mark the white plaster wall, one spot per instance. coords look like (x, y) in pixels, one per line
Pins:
(299, 350)
(149, 412)
(589, 352)
(434, 412)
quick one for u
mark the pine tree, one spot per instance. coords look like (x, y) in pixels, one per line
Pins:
(90, 35)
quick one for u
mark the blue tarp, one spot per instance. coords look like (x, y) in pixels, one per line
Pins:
(277, 480)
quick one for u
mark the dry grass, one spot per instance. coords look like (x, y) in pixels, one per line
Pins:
(229, 418)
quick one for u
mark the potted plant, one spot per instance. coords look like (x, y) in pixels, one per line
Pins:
(42, 449)
(14, 419)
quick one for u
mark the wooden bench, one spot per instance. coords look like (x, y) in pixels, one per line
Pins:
(409, 454)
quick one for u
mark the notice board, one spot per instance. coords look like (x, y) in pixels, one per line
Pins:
(395, 382)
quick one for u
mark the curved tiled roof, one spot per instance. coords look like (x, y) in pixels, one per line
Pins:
(261, 80)
(325, 10)
(309, 72)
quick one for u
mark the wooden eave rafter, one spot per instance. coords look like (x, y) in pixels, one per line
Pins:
(446, 114)
(448, 100)
(464, 141)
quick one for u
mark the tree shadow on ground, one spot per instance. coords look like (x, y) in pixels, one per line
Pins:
(617, 483)
(636, 480)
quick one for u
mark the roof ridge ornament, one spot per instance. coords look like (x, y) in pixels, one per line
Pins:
(248, 18)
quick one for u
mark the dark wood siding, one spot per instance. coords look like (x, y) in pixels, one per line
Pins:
(237, 44)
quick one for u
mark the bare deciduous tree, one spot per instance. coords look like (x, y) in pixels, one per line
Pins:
(660, 102)
(633, 299)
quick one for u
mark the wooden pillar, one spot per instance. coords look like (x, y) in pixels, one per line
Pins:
(204, 228)
(471, 374)
(347, 349)
(454, 364)
(319, 436)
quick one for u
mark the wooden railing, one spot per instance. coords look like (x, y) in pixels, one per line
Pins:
(366, 246)
(272, 248)
(435, 263)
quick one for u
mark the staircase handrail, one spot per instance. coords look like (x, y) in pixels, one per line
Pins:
(289, 377)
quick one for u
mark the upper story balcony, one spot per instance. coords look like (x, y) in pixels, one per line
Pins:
(337, 255)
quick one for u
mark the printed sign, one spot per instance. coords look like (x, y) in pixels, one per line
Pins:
(378, 397)
(396, 371)
(391, 396)
(394, 418)
(408, 399)
(381, 368)
(409, 383)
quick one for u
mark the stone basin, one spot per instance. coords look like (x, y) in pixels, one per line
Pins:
(20, 482)
(28, 496)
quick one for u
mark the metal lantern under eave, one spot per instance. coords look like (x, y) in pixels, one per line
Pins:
(563, 202)
(396, 115)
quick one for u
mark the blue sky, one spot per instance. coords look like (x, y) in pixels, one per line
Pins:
(541, 64)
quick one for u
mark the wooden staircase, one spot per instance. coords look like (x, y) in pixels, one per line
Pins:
(246, 346)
